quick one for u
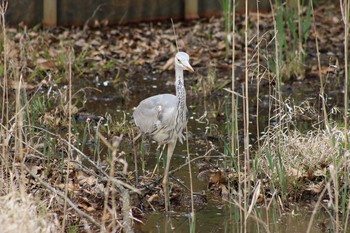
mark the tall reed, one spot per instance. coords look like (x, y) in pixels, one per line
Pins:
(246, 164)
(239, 213)
(193, 215)
(344, 6)
(345, 10)
(227, 5)
(69, 149)
(4, 135)
(258, 76)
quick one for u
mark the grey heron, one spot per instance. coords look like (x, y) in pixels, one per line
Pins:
(164, 117)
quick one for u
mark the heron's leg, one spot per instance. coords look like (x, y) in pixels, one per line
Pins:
(171, 147)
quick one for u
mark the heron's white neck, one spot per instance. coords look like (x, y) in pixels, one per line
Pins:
(181, 113)
(179, 83)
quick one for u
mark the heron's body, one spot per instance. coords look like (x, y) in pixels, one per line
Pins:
(158, 115)
(164, 116)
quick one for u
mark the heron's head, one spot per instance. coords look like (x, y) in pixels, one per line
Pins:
(183, 60)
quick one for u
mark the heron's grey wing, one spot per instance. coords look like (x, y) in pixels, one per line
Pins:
(155, 112)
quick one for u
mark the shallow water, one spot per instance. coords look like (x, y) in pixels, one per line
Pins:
(218, 217)
(207, 121)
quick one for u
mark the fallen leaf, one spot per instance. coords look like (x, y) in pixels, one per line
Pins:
(86, 207)
(153, 198)
(218, 177)
(224, 192)
(44, 64)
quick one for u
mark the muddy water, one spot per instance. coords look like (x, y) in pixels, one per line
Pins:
(221, 218)
(207, 121)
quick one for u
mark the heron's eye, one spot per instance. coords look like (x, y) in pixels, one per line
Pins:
(178, 60)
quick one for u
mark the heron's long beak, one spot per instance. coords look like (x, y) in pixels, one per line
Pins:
(188, 67)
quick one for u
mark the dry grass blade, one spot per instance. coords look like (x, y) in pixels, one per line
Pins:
(314, 212)
(255, 197)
